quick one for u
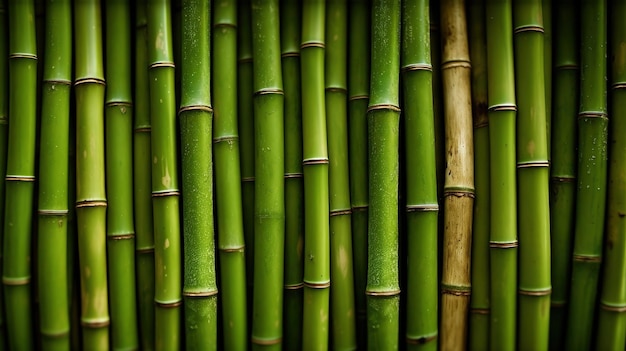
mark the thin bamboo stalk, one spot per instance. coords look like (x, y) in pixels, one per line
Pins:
(421, 199)
(546, 9)
(228, 175)
(142, 184)
(343, 321)
(479, 300)
(73, 266)
(563, 163)
(4, 131)
(383, 116)
(592, 171)
(53, 179)
(611, 332)
(269, 225)
(440, 145)
(503, 196)
(358, 91)
(459, 176)
(91, 199)
(290, 31)
(119, 177)
(165, 193)
(534, 285)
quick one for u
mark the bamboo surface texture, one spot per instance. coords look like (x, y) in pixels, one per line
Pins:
(4, 136)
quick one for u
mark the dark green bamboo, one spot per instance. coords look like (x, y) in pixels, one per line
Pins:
(119, 176)
(195, 117)
(435, 53)
(228, 176)
(269, 210)
(4, 130)
(53, 179)
(534, 285)
(611, 326)
(421, 199)
(479, 300)
(291, 23)
(458, 188)
(142, 184)
(343, 323)
(358, 92)
(546, 9)
(91, 198)
(383, 117)
(563, 163)
(165, 192)
(503, 193)
(592, 171)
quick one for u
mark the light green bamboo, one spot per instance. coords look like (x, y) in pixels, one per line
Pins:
(165, 192)
(421, 173)
(358, 92)
(592, 172)
(563, 163)
(228, 176)
(119, 177)
(546, 9)
(269, 210)
(479, 300)
(343, 323)
(4, 130)
(534, 285)
(291, 27)
(53, 179)
(459, 176)
(142, 184)
(383, 286)
(91, 199)
(503, 193)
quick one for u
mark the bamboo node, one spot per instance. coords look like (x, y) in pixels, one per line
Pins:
(587, 258)
(145, 250)
(358, 97)
(502, 107)
(162, 64)
(456, 64)
(122, 104)
(16, 281)
(225, 25)
(528, 28)
(19, 178)
(389, 107)
(226, 138)
(174, 304)
(290, 54)
(612, 308)
(204, 108)
(24, 56)
(121, 236)
(558, 304)
(294, 175)
(58, 81)
(312, 44)
(89, 81)
(323, 285)
(341, 212)
(360, 208)
(245, 60)
(233, 249)
(544, 292)
(481, 123)
(456, 290)
(620, 85)
(143, 130)
(266, 342)
(383, 293)
(422, 208)
(165, 193)
(199, 294)
(481, 311)
(421, 340)
(247, 179)
(91, 203)
(561, 179)
(533, 164)
(269, 91)
(593, 114)
(336, 90)
(297, 286)
(459, 192)
(4, 120)
(55, 335)
(567, 66)
(95, 324)
(53, 212)
(503, 244)
(315, 161)
(417, 67)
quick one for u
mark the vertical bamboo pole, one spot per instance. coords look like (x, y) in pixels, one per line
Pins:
(546, 9)
(4, 131)
(53, 179)
(269, 223)
(383, 117)
(459, 176)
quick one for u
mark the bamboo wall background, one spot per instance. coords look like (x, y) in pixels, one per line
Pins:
(312, 175)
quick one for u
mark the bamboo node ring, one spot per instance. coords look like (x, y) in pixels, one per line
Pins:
(58, 82)
(147, 250)
(315, 161)
(233, 249)
(143, 130)
(533, 164)
(121, 236)
(19, 178)
(455, 64)
(226, 138)
(53, 212)
(359, 97)
(481, 123)
(341, 212)
(389, 107)
(290, 54)
(165, 193)
(389, 293)
(168, 304)
(620, 85)
(421, 340)
(503, 244)
(245, 60)
(313, 44)
(294, 175)
(459, 193)
(566, 179)
(162, 64)
(91, 203)
(587, 258)
(204, 108)
(126, 104)
(247, 179)
(225, 25)
(16, 281)
(422, 208)
(294, 286)
(567, 66)
(482, 311)
(98, 81)
(24, 56)
(200, 294)
(266, 342)
(359, 208)
(612, 308)
(456, 290)
(502, 107)
(323, 285)
(336, 90)
(418, 67)
(269, 91)
(95, 324)
(528, 28)
(592, 114)
(545, 292)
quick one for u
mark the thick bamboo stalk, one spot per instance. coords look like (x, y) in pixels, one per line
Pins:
(479, 300)
(90, 174)
(534, 285)
(383, 117)
(228, 176)
(592, 171)
(269, 223)
(343, 323)
(611, 332)
(563, 163)
(459, 176)
(358, 92)
(165, 192)
(53, 179)
(421, 199)
(4, 131)
(503, 193)
(142, 184)
(119, 177)
(291, 27)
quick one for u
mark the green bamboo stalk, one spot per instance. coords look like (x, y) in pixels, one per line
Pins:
(73, 264)
(592, 171)
(358, 92)
(228, 175)
(459, 176)
(435, 53)
(546, 9)
(142, 185)
(119, 163)
(4, 130)
(563, 163)
(421, 199)
(53, 179)
(165, 193)
(269, 224)
(479, 300)
(91, 199)
(534, 285)
(290, 21)
(343, 321)
(383, 116)
(503, 197)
